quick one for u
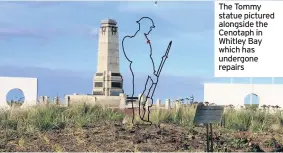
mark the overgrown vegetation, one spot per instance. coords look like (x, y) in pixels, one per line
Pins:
(84, 124)
(15, 103)
(253, 120)
(56, 117)
(183, 116)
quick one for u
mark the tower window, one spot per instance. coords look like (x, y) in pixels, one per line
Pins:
(116, 85)
(98, 84)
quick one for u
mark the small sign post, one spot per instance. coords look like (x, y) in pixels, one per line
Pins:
(208, 115)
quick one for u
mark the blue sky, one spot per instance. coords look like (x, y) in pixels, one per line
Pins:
(62, 36)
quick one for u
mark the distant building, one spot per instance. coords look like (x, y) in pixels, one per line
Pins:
(240, 95)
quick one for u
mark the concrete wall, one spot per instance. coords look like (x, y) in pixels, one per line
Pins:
(27, 85)
(117, 101)
(226, 94)
(112, 101)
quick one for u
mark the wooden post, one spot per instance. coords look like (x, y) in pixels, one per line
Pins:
(207, 136)
(211, 140)
(224, 121)
(68, 101)
(57, 101)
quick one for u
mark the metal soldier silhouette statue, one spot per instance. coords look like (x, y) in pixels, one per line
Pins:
(152, 78)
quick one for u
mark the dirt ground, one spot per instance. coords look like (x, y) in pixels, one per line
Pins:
(116, 137)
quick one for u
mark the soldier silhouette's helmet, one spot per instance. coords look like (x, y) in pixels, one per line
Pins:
(148, 26)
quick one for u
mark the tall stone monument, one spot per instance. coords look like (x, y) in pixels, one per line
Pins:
(108, 81)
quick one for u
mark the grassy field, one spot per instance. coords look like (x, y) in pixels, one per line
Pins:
(94, 128)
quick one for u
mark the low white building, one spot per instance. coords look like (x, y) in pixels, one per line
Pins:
(235, 94)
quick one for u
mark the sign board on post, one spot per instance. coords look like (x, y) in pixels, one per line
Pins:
(208, 114)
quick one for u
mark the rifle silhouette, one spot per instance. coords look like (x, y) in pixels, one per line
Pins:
(154, 84)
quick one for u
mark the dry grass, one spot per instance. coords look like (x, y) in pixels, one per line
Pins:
(56, 117)
(17, 124)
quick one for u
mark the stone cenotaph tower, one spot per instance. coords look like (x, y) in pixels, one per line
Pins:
(108, 81)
